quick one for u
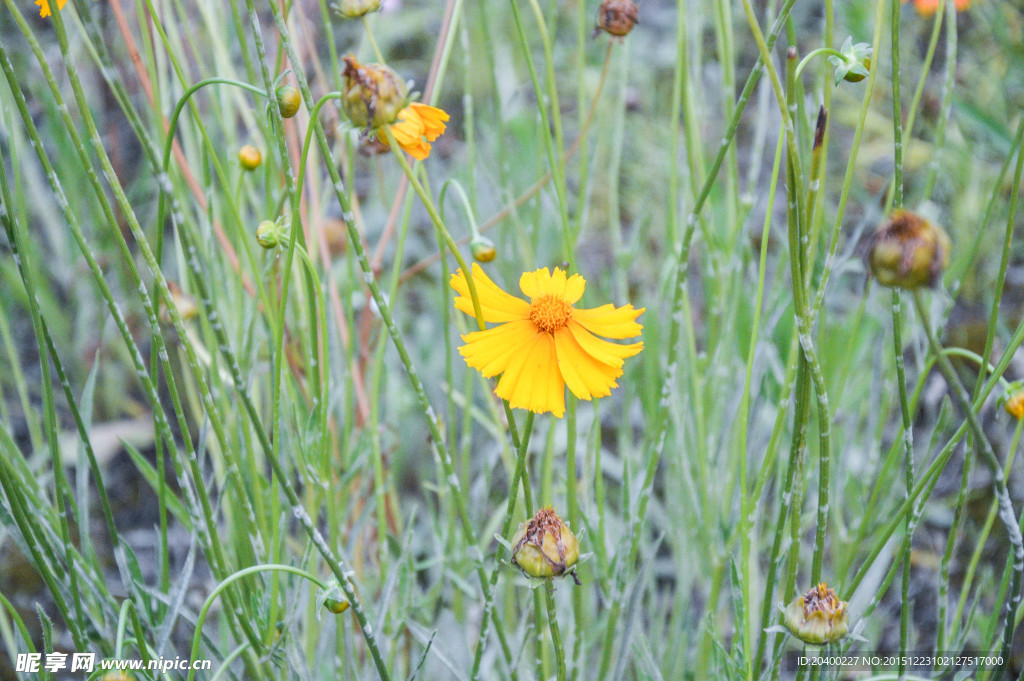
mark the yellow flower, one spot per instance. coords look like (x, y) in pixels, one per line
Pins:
(44, 7)
(416, 122)
(543, 345)
(928, 7)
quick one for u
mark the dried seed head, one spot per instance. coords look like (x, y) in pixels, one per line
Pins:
(818, 616)
(373, 95)
(907, 251)
(249, 157)
(617, 17)
(288, 100)
(545, 547)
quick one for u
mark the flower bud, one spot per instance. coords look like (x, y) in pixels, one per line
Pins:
(818, 616)
(249, 157)
(482, 249)
(1013, 402)
(270, 234)
(616, 17)
(545, 547)
(907, 251)
(288, 100)
(352, 9)
(335, 606)
(373, 94)
(854, 64)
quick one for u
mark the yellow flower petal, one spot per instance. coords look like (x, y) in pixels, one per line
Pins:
(532, 380)
(543, 283)
(586, 377)
(432, 119)
(603, 351)
(610, 321)
(495, 304)
(416, 122)
(490, 351)
(44, 7)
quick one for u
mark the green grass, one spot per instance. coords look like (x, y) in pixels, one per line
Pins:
(197, 483)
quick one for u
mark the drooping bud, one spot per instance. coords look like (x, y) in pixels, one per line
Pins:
(544, 546)
(907, 251)
(818, 616)
(854, 64)
(335, 606)
(373, 94)
(249, 157)
(288, 100)
(483, 249)
(352, 9)
(617, 17)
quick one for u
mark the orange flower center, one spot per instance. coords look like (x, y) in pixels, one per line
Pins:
(550, 313)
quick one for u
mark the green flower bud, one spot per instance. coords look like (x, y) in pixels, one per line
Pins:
(855, 63)
(907, 251)
(335, 606)
(483, 249)
(270, 234)
(249, 157)
(352, 9)
(289, 99)
(545, 546)
(818, 616)
(373, 94)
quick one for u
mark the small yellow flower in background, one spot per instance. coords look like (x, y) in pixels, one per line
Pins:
(544, 546)
(418, 125)
(44, 7)
(818, 616)
(543, 345)
(927, 8)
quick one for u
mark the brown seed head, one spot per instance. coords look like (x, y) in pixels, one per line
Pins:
(907, 251)
(617, 17)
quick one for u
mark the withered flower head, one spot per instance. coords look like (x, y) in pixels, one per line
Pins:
(818, 616)
(545, 547)
(373, 95)
(616, 17)
(907, 251)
